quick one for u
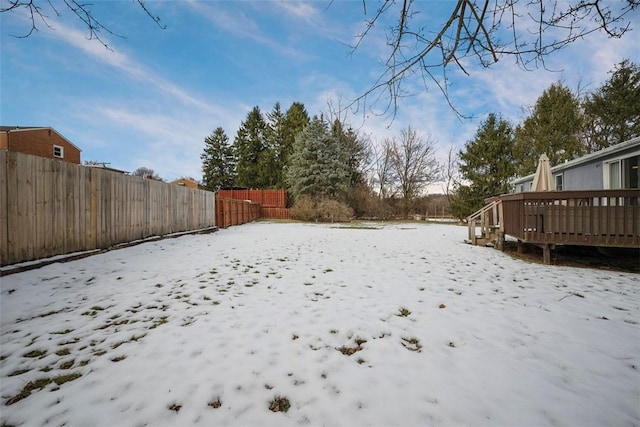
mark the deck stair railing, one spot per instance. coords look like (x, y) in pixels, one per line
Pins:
(488, 219)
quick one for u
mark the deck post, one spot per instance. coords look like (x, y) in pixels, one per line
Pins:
(471, 224)
(546, 254)
(500, 241)
(519, 246)
(494, 211)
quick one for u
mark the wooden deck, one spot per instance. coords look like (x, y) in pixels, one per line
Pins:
(606, 218)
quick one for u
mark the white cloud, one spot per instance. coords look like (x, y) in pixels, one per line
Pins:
(172, 121)
(299, 9)
(240, 25)
(168, 140)
(172, 143)
(130, 67)
(602, 54)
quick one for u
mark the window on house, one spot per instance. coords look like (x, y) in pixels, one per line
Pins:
(559, 182)
(58, 151)
(630, 172)
(622, 173)
(614, 175)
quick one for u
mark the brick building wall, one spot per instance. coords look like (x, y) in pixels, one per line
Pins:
(43, 142)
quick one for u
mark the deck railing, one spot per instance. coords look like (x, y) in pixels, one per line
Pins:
(590, 218)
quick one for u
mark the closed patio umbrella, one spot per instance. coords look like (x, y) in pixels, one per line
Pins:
(543, 180)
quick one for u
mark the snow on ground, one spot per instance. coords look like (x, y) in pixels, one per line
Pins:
(401, 324)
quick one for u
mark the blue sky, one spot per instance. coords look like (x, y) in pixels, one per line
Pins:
(153, 98)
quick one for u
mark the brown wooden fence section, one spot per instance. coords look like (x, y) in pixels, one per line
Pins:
(275, 213)
(272, 203)
(586, 218)
(235, 212)
(49, 207)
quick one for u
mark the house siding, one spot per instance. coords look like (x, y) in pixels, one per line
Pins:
(584, 177)
(39, 142)
(587, 174)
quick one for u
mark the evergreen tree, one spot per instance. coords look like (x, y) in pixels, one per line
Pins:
(613, 110)
(464, 201)
(487, 163)
(355, 149)
(295, 120)
(318, 166)
(553, 127)
(357, 155)
(250, 146)
(218, 161)
(271, 165)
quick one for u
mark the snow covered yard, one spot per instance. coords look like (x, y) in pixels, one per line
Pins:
(397, 324)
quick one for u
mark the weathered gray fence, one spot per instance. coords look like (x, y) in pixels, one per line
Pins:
(49, 207)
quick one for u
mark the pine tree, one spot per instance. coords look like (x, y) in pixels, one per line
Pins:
(613, 110)
(250, 145)
(295, 120)
(357, 155)
(553, 127)
(487, 163)
(271, 166)
(317, 167)
(218, 161)
(356, 151)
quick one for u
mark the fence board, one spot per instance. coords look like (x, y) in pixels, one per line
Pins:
(42, 239)
(26, 206)
(11, 209)
(3, 202)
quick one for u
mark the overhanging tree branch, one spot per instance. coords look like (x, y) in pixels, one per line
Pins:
(481, 32)
(37, 11)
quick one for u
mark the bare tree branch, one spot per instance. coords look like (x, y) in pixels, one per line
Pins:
(384, 176)
(474, 32)
(451, 172)
(36, 10)
(412, 160)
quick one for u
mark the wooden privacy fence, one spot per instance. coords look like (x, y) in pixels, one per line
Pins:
(49, 207)
(589, 218)
(272, 203)
(235, 212)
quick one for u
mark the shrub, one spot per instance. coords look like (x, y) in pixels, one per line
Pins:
(303, 209)
(333, 211)
(324, 210)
